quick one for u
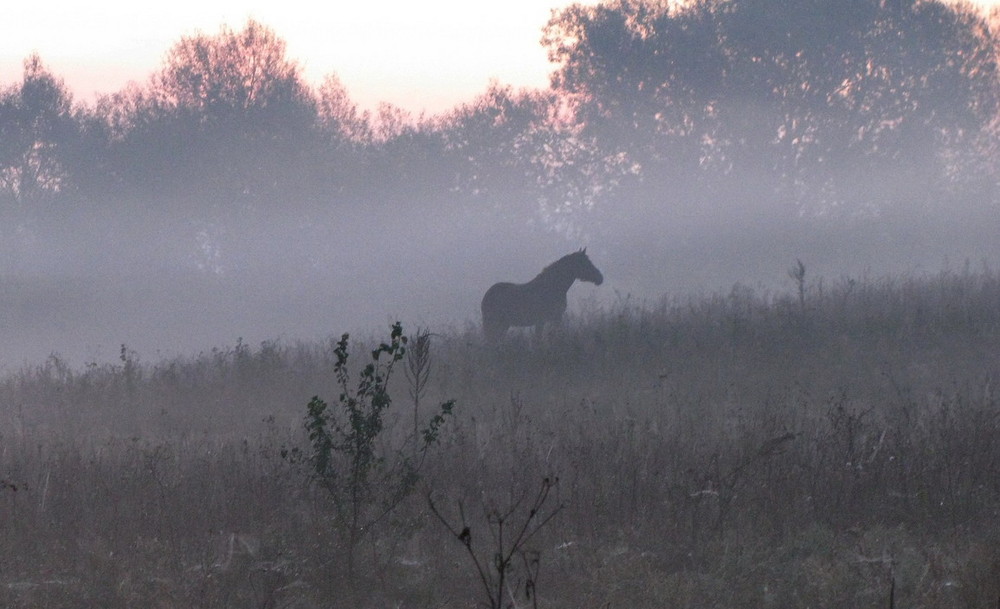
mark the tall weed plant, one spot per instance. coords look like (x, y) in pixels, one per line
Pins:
(365, 476)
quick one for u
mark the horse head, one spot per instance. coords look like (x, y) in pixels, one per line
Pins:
(585, 269)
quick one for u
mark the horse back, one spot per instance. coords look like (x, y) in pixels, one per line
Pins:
(521, 304)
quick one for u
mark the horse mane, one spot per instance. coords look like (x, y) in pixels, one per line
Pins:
(552, 266)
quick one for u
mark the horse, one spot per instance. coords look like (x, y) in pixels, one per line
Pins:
(541, 300)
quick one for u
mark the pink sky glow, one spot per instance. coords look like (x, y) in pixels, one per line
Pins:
(423, 56)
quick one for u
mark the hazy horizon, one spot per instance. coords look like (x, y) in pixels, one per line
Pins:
(184, 225)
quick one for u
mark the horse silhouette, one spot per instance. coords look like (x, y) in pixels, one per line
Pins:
(541, 300)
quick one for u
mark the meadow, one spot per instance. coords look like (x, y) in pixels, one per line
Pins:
(835, 445)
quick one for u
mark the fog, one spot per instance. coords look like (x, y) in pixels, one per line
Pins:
(781, 393)
(191, 288)
(175, 218)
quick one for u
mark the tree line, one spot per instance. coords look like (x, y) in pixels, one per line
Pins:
(814, 108)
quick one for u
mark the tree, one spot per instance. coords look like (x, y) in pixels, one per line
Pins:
(339, 116)
(228, 118)
(38, 132)
(53, 157)
(406, 164)
(347, 134)
(821, 102)
(242, 73)
(490, 142)
(517, 157)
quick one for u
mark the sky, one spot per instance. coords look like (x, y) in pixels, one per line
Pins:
(423, 56)
(427, 56)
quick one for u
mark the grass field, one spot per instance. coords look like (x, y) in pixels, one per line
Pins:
(828, 447)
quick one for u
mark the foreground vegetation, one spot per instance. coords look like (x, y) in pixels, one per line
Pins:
(817, 448)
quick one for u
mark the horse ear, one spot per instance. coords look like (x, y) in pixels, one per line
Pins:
(583, 251)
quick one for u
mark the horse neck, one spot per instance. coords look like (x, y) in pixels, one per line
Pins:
(558, 276)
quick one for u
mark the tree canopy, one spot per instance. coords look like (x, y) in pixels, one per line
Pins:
(797, 107)
(821, 99)
(37, 129)
(227, 118)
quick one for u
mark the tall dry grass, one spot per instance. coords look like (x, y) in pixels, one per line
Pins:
(738, 449)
